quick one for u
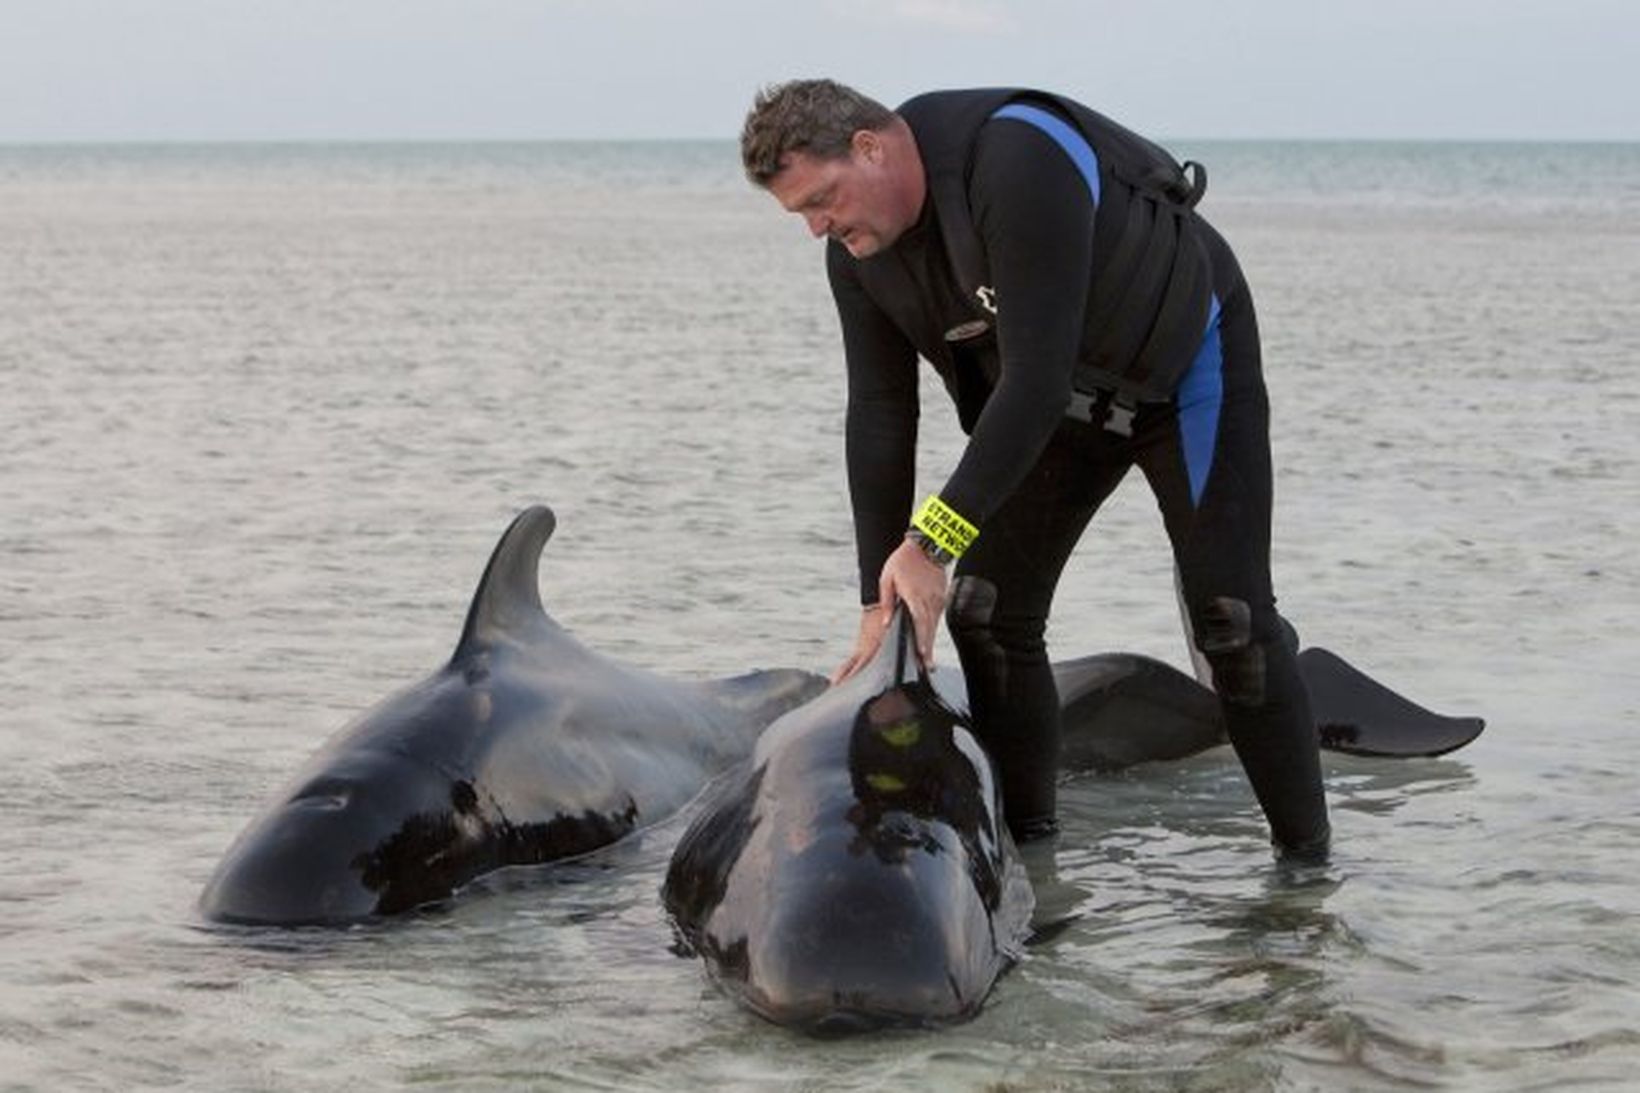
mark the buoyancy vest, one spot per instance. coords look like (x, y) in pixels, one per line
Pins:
(1151, 284)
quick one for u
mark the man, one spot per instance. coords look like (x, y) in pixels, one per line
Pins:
(1050, 265)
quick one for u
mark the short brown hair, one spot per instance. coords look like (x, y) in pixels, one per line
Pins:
(819, 117)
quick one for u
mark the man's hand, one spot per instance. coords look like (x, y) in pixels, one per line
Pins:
(873, 621)
(914, 577)
(911, 576)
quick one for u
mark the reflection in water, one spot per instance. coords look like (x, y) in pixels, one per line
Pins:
(1144, 818)
(1381, 787)
(1160, 918)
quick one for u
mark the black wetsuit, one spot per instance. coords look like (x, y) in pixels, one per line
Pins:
(1031, 477)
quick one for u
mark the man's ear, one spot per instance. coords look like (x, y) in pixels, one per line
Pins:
(867, 144)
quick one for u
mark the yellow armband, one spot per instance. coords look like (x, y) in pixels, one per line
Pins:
(944, 527)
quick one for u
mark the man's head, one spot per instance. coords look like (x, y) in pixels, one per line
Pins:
(845, 163)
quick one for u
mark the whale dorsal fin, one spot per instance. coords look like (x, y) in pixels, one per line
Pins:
(508, 600)
(897, 658)
(896, 661)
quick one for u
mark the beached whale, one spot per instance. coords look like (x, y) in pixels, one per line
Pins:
(855, 870)
(526, 747)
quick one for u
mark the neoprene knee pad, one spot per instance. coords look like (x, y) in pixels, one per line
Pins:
(972, 606)
(1224, 633)
(980, 624)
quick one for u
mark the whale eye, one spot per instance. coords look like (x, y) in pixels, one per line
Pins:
(329, 794)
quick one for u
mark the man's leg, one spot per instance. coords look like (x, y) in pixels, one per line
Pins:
(998, 612)
(1208, 462)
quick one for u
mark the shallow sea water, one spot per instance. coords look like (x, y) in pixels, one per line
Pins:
(266, 410)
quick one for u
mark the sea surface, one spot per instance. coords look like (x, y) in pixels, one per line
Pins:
(266, 410)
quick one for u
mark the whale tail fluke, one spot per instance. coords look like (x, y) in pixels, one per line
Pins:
(1357, 715)
(1124, 708)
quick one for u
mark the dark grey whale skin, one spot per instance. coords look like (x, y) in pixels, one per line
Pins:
(855, 871)
(525, 748)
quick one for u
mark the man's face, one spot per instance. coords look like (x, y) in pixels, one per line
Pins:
(850, 199)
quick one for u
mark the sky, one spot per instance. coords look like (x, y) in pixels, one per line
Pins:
(192, 70)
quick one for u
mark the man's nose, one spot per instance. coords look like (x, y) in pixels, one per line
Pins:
(819, 223)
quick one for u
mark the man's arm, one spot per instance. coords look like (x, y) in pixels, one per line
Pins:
(881, 423)
(1035, 215)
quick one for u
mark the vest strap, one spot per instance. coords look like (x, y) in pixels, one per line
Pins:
(1111, 409)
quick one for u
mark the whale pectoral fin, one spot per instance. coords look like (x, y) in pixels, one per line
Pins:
(1357, 715)
(1119, 709)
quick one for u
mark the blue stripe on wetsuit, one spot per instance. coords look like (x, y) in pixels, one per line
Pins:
(1065, 135)
(1201, 393)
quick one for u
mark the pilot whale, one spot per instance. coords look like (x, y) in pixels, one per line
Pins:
(855, 870)
(526, 747)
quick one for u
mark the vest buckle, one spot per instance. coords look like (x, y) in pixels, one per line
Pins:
(1112, 410)
(1119, 415)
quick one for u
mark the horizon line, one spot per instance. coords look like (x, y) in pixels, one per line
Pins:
(289, 141)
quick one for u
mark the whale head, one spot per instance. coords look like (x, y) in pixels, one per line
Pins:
(856, 872)
(360, 831)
